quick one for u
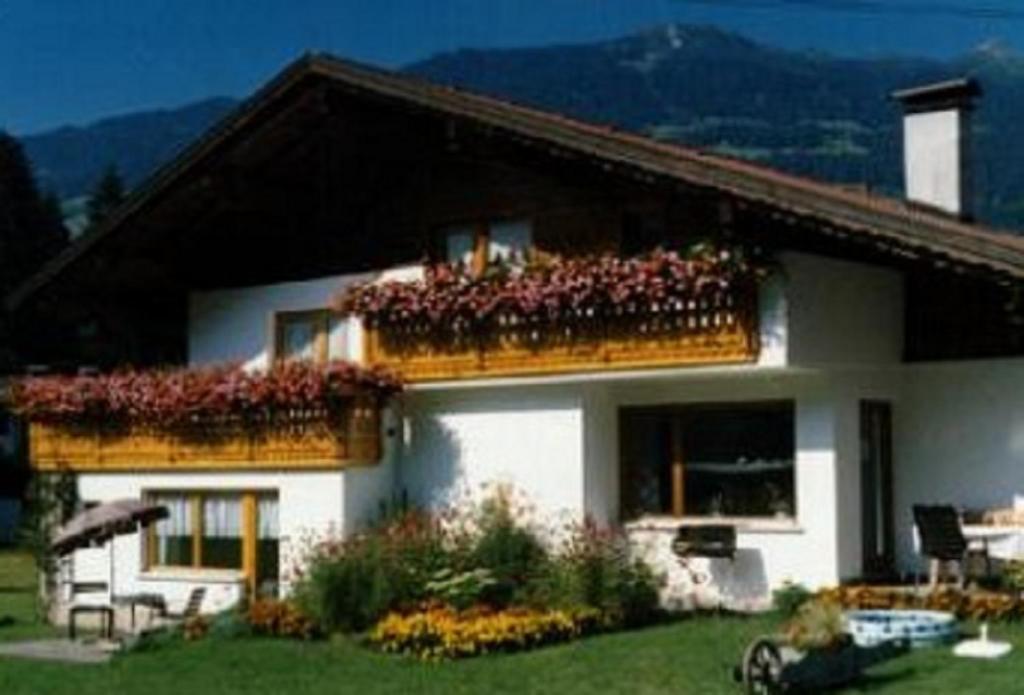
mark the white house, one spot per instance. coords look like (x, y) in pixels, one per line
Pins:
(879, 364)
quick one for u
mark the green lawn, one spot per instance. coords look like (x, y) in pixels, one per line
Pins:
(691, 656)
(18, 613)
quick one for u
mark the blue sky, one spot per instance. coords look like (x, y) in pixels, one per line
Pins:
(73, 61)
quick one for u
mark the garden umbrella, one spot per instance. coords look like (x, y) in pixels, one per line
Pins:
(102, 523)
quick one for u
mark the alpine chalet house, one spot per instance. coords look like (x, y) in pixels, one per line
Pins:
(644, 334)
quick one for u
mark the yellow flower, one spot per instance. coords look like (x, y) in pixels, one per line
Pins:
(441, 632)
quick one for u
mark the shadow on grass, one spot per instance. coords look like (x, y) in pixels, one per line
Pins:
(675, 618)
(15, 589)
(869, 683)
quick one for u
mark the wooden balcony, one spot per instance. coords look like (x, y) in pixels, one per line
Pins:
(723, 332)
(352, 439)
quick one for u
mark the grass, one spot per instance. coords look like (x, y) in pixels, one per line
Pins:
(19, 617)
(691, 656)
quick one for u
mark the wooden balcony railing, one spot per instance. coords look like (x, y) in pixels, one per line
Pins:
(719, 332)
(349, 439)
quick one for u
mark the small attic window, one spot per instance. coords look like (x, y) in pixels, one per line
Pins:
(485, 243)
(302, 335)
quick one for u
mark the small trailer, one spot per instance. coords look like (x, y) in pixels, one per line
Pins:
(770, 665)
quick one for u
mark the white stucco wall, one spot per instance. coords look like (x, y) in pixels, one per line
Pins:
(813, 311)
(560, 447)
(312, 505)
(802, 549)
(841, 313)
(456, 443)
(959, 440)
(825, 325)
(237, 325)
(885, 384)
(369, 490)
(935, 169)
(601, 455)
(773, 322)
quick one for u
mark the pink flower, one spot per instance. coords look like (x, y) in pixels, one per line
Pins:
(171, 398)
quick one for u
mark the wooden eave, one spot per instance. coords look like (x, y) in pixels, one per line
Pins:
(893, 226)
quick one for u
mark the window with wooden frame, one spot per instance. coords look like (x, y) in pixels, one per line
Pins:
(483, 243)
(302, 335)
(217, 530)
(720, 459)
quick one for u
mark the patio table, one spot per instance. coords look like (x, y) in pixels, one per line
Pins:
(147, 600)
(1003, 542)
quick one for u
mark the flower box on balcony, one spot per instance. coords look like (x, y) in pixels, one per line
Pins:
(721, 335)
(295, 416)
(351, 440)
(561, 316)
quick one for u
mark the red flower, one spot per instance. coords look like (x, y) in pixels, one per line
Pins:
(449, 300)
(172, 398)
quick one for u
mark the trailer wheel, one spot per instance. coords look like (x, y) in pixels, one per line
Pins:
(762, 668)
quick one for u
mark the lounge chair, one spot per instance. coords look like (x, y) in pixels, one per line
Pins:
(191, 607)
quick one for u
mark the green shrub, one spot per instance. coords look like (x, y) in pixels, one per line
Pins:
(506, 547)
(52, 499)
(349, 585)
(460, 590)
(487, 557)
(1013, 576)
(229, 624)
(595, 570)
(788, 599)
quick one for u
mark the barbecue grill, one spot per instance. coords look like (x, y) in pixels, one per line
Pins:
(710, 541)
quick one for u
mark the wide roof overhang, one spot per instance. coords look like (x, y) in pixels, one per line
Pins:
(279, 123)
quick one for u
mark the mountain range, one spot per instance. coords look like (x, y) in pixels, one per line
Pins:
(810, 113)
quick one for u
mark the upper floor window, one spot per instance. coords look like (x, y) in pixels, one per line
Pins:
(485, 243)
(302, 335)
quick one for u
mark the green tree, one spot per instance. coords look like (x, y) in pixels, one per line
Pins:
(31, 230)
(105, 197)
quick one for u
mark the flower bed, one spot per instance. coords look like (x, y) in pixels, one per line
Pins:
(436, 632)
(973, 605)
(275, 618)
(474, 579)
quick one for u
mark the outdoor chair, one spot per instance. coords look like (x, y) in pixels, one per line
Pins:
(86, 598)
(192, 605)
(942, 541)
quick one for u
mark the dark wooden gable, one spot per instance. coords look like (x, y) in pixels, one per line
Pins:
(324, 175)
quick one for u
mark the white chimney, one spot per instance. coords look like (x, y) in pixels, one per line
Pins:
(936, 144)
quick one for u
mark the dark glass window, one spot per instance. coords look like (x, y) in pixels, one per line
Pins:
(733, 459)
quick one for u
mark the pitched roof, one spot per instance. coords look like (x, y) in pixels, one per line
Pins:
(888, 222)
